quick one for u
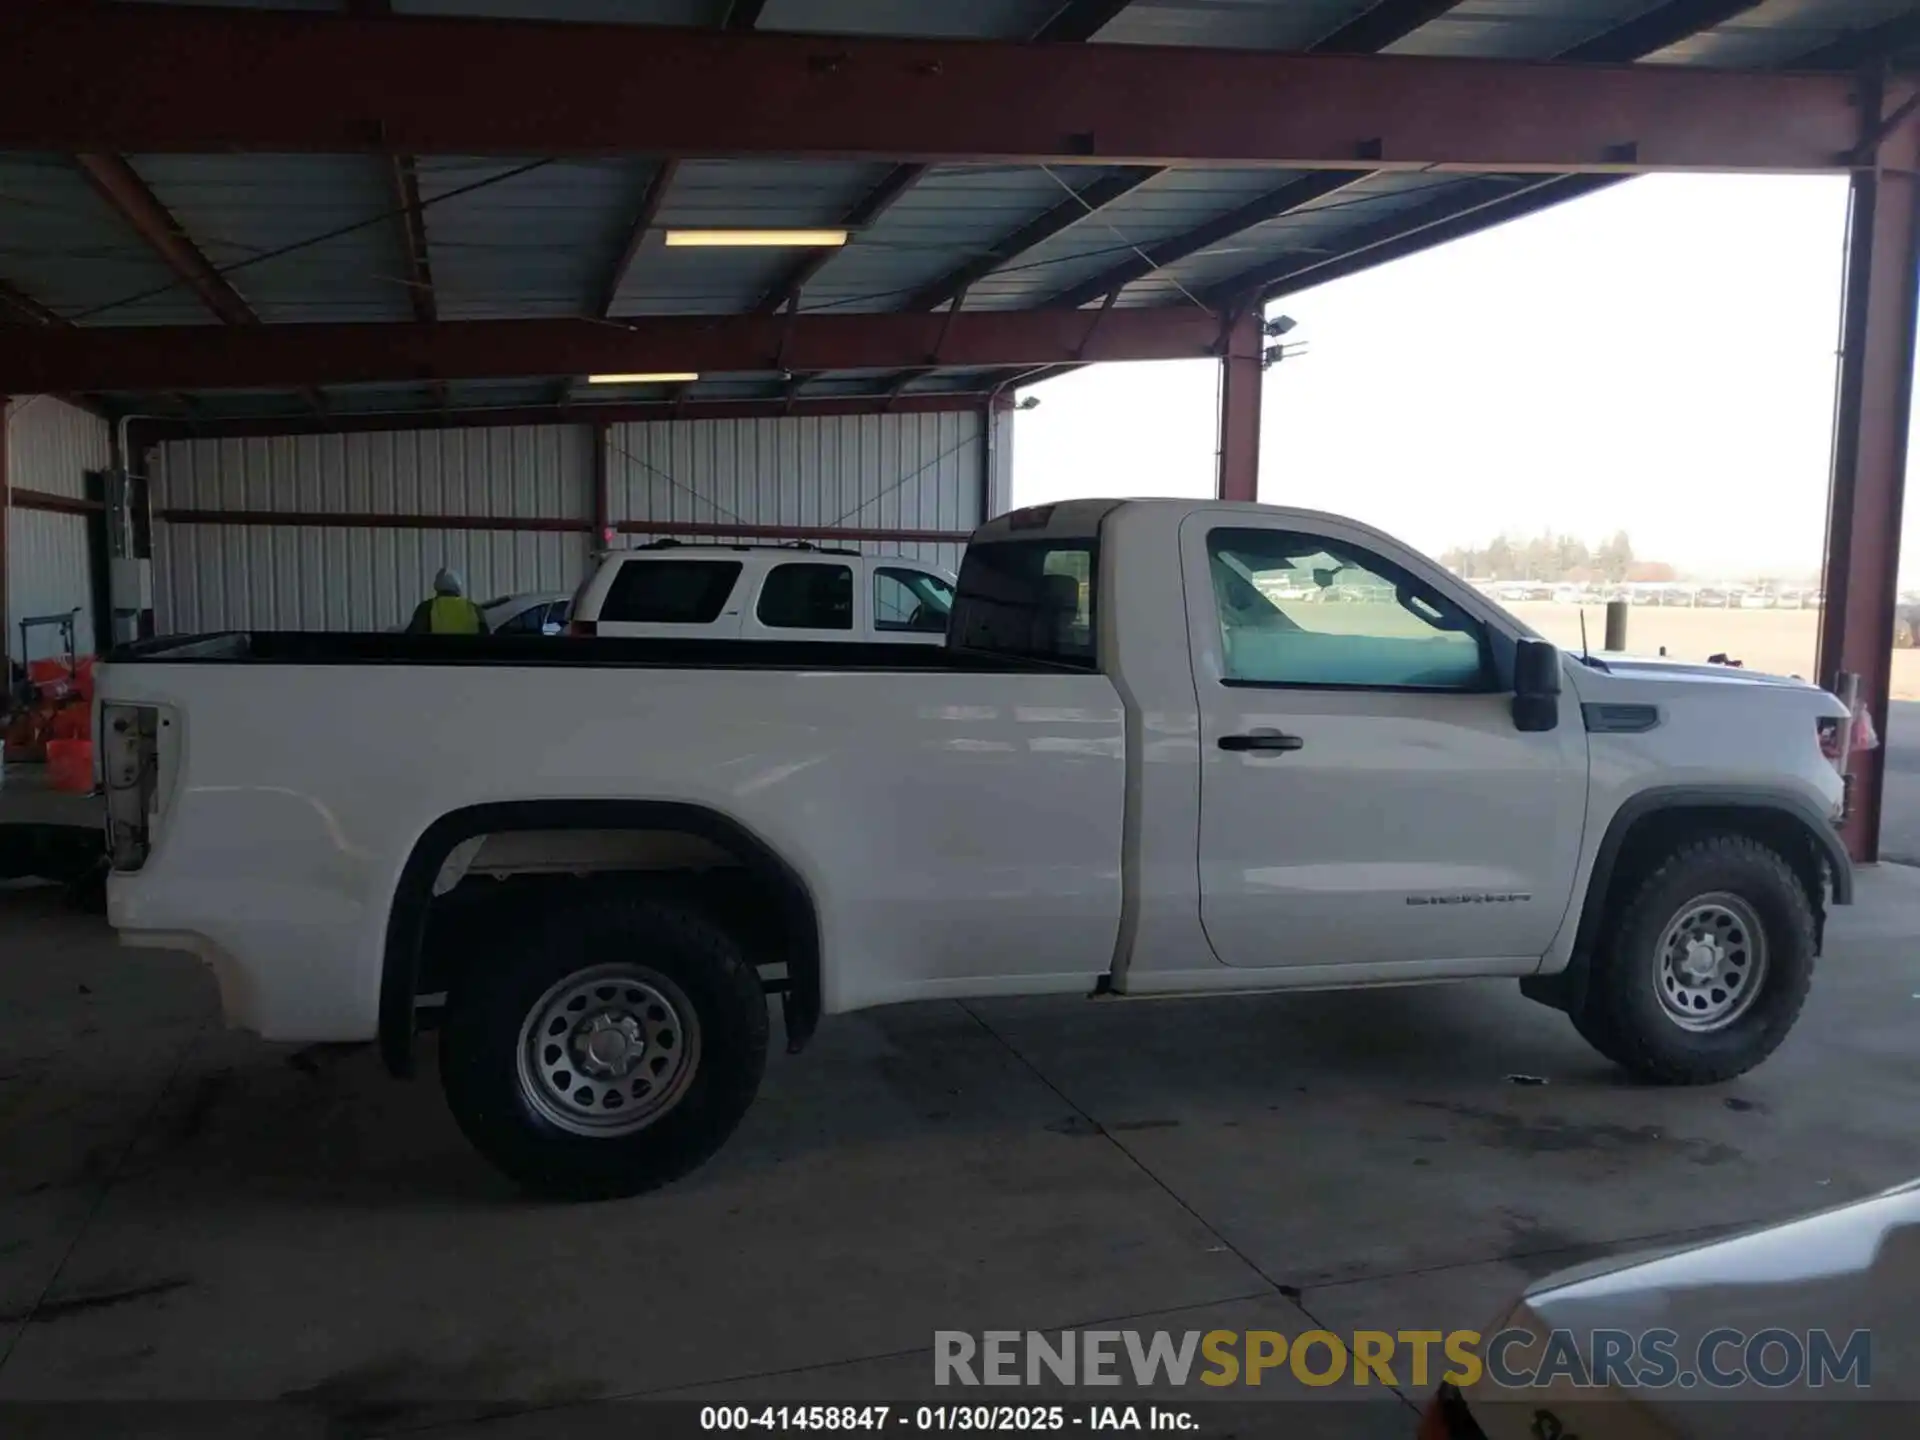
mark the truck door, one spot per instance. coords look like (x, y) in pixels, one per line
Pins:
(1365, 797)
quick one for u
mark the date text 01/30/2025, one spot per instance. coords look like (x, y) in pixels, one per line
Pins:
(946, 1417)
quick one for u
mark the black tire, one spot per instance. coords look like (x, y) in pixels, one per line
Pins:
(1623, 1016)
(495, 991)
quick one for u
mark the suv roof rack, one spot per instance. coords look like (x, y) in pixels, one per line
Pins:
(670, 542)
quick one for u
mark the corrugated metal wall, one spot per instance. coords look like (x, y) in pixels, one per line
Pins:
(50, 447)
(904, 472)
(329, 577)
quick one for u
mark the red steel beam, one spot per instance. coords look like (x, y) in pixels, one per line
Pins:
(1646, 34)
(828, 406)
(53, 504)
(176, 78)
(200, 357)
(1241, 373)
(869, 208)
(645, 214)
(1880, 308)
(725, 531)
(380, 520)
(6, 545)
(1076, 20)
(136, 204)
(17, 305)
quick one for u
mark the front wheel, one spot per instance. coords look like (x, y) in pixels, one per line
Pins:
(603, 1048)
(1707, 966)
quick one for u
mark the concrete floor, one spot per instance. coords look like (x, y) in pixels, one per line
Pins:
(189, 1214)
(1900, 804)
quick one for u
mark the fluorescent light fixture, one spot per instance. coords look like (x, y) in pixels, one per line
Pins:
(789, 238)
(647, 377)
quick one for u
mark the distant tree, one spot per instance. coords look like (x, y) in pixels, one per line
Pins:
(1615, 557)
(1501, 563)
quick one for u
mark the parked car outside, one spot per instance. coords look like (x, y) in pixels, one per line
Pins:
(541, 613)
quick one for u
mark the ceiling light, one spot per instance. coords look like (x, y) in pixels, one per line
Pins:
(677, 238)
(647, 377)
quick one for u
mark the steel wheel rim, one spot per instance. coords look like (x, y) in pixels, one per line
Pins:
(1711, 963)
(608, 1050)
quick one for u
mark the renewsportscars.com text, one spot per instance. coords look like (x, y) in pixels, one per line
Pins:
(1518, 1359)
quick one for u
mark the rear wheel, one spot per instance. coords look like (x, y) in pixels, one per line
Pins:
(603, 1048)
(1706, 968)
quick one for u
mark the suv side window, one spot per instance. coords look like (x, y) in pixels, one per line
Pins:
(910, 600)
(807, 595)
(670, 592)
(1298, 609)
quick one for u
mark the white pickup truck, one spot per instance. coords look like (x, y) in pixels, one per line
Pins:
(1170, 748)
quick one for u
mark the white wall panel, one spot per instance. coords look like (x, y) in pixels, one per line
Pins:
(50, 447)
(907, 472)
(313, 576)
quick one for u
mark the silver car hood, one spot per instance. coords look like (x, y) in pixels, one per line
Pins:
(1854, 1267)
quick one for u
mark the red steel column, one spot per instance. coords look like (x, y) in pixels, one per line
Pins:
(602, 490)
(1238, 476)
(1872, 412)
(6, 505)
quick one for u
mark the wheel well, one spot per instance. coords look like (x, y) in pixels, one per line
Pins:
(1639, 842)
(469, 862)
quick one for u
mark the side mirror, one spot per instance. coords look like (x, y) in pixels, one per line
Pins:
(1536, 685)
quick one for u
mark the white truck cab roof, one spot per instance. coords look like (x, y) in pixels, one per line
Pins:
(669, 588)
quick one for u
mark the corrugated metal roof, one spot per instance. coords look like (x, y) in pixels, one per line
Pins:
(1235, 24)
(243, 211)
(60, 244)
(539, 242)
(1776, 31)
(548, 240)
(736, 193)
(1518, 29)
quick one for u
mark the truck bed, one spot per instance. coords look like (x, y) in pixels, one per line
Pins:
(328, 647)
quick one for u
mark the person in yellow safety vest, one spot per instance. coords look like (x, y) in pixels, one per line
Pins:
(448, 611)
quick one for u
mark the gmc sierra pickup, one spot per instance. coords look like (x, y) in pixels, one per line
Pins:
(1170, 748)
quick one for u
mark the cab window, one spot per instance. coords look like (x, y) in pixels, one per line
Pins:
(1299, 609)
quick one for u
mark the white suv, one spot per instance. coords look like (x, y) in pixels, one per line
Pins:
(669, 590)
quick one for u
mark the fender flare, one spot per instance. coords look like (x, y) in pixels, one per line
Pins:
(413, 895)
(1565, 989)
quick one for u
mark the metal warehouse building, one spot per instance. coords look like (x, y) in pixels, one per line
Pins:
(299, 303)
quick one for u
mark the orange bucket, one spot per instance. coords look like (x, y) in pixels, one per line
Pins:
(70, 765)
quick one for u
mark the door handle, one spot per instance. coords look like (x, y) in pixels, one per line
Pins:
(1261, 740)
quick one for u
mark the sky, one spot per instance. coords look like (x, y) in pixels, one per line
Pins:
(1657, 357)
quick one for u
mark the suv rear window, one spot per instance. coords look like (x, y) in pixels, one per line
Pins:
(1034, 598)
(670, 592)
